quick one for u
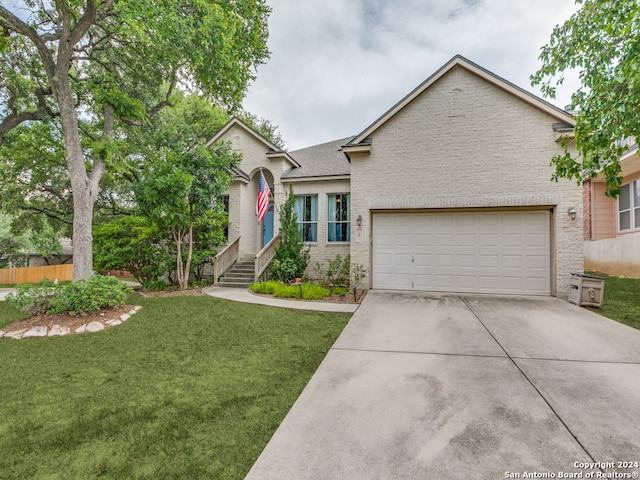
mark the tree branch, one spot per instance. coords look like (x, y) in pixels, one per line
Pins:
(86, 20)
(18, 26)
(15, 118)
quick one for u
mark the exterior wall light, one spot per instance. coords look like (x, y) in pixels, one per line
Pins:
(571, 211)
(359, 220)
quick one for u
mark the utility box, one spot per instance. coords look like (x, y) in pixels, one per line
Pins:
(586, 290)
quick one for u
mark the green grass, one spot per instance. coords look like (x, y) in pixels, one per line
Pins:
(189, 387)
(621, 300)
(9, 315)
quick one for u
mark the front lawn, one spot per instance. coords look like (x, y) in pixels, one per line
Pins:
(189, 387)
(621, 300)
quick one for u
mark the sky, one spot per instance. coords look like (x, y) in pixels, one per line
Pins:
(337, 65)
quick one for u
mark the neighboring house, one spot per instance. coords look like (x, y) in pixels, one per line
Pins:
(612, 226)
(66, 256)
(449, 190)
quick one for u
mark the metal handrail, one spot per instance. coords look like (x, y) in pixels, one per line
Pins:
(263, 257)
(224, 260)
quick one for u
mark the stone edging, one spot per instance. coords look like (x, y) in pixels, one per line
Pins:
(57, 330)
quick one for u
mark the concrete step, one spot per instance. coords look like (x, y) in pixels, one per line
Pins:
(241, 269)
(234, 274)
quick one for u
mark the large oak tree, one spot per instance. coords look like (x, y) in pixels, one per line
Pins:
(93, 66)
(602, 42)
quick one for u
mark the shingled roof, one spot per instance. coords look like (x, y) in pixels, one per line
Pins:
(324, 160)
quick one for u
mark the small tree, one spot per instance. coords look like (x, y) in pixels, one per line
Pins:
(133, 244)
(291, 258)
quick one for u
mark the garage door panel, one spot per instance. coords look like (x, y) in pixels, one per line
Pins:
(496, 252)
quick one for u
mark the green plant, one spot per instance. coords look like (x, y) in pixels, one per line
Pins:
(336, 273)
(131, 243)
(83, 296)
(268, 288)
(154, 285)
(97, 293)
(291, 258)
(306, 291)
(284, 269)
(358, 272)
(340, 291)
(34, 298)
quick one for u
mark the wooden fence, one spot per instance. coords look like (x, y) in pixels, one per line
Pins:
(36, 274)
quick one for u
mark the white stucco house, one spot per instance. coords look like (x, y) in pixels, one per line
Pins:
(449, 190)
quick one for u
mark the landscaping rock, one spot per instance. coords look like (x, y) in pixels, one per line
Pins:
(113, 322)
(57, 331)
(137, 307)
(15, 334)
(40, 331)
(124, 317)
(1, 333)
(81, 329)
(95, 327)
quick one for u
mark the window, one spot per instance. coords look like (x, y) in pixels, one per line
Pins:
(629, 206)
(224, 201)
(339, 218)
(306, 208)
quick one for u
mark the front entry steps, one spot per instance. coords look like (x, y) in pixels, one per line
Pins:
(241, 275)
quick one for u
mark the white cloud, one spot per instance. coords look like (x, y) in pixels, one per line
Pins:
(337, 65)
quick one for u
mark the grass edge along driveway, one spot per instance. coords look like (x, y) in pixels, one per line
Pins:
(190, 387)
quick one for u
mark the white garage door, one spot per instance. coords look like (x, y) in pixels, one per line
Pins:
(480, 252)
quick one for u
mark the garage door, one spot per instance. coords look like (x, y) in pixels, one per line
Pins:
(479, 252)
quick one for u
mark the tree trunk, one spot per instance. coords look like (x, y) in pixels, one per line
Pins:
(177, 237)
(84, 188)
(187, 267)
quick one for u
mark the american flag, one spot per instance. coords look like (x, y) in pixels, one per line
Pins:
(262, 203)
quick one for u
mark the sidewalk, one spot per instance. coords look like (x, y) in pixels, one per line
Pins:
(244, 296)
(4, 292)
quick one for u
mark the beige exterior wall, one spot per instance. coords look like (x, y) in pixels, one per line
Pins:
(242, 196)
(321, 251)
(465, 143)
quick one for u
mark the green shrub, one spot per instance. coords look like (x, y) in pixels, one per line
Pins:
(83, 296)
(95, 294)
(311, 291)
(34, 298)
(340, 291)
(154, 285)
(133, 244)
(291, 256)
(284, 269)
(268, 288)
(307, 291)
(336, 273)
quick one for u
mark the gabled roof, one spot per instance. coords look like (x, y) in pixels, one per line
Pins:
(324, 160)
(273, 151)
(460, 61)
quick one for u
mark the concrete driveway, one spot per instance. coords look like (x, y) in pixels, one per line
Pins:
(430, 386)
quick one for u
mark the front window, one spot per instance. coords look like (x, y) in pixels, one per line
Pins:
(306, 208)
(629, 206)
(339, 218)
(224, 201)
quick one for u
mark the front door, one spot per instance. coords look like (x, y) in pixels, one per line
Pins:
(267, 226)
